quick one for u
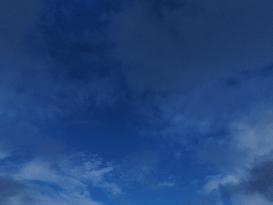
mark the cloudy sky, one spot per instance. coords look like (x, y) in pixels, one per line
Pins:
(136, 102)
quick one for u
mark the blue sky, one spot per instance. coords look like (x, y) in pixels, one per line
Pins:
(151, 102)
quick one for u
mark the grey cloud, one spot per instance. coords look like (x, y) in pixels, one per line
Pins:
(245, 166)
(255, 188)
(260, 180)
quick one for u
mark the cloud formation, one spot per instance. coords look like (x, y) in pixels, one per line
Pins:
(197, 74)
(65, 181)
(250, 144)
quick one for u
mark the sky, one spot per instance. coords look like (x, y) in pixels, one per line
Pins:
(140, 102)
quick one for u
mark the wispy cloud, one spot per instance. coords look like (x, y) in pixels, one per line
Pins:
(249, 178)
(66, 182)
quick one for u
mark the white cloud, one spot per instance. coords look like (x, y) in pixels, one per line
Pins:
(251, 139)
(251, 199)
(64, 182)
(37, 170)
(253, 135)
(214, 183)
(3, 154)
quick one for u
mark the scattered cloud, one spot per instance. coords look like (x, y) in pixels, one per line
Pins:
(249, 179)
(216, 182)
(65, 182)
(197, 73)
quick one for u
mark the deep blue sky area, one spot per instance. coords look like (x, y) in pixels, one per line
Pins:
(140, 102)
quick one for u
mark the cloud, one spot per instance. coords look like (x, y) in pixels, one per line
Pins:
(253, 134)
(260, 180)
(63, 182)
(167, 52)
(169, 56)
(217, 182)
(38, 91)
(3, 153)
(249, 179)
(251, 199)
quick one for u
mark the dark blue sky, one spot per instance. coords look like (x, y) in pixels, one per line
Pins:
(151, 102)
